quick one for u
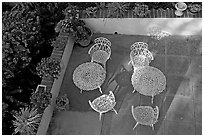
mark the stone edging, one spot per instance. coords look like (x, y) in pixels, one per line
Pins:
(54, 86)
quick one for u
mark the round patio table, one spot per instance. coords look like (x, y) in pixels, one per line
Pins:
(89, 76)
(148, 81)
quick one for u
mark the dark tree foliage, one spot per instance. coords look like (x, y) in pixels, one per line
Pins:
(6, 6)
(41, 100)
(20, 39)
(83, 5)
(27, 33)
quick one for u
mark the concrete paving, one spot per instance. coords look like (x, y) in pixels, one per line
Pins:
(179, 104)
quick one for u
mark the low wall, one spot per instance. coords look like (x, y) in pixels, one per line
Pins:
(140, 26)
(63, 54)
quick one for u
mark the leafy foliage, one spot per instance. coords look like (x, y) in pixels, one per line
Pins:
(26, 121)
(4, 109)
(141, 10)
(71, 12)
(101, 5)
(117, 9)
(41, 99)
(20, 39)
(194, 7)
(6, 6)
(74, 27)
(91, 11)
(62, 102)
(49, 67)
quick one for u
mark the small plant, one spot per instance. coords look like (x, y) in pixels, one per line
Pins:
(62, 102)
(26, 121)
(83, 33)
(195, 8)
(91, 11)
(41, 99)
(75, 27)
(71, 12)
(117, 9)
(141, 10)
(100, 5)
(49, 67)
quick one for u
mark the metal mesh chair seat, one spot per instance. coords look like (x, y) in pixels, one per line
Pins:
(100, 56)
(103, 103)
(145, 115)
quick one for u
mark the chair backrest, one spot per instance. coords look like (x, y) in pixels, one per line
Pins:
(141, 57)
(139, 45)
(103, 40)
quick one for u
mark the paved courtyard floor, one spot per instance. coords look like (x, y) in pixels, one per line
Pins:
(180, 103)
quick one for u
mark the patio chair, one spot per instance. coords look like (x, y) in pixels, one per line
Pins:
(103, 104)
(145, 115)
(100, 53)
(140, 57)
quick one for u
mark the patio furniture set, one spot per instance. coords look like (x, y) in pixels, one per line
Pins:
(147, 80)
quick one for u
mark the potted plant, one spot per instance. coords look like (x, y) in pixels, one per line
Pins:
(41, 98)
(49, 67)
(180, 7)
(62, 102)
(75, 27)
(83, 36)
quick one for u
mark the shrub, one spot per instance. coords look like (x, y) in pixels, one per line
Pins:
(49, 67)
(26, 121)
(62, 102)
(141, 10)
(117, 9)
(41, 99)
(91, 11)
